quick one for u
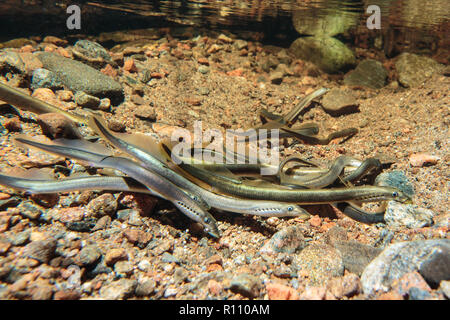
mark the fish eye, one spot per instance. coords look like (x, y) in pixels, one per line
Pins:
(395, 194)
(290, 208)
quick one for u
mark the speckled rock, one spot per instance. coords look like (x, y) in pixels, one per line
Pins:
(369, 73)
(431, 258)
(43, 78)
(321, 262)
(80, 77)
(413, 69)
(92, 53)
(287, 240)
(408, 215)
(396, 179)
(29, 210)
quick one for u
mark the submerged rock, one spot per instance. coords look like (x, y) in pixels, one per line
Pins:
(321, 262)
(329, 54)
(80, 77)
(396, 179)
(369, 73)
(43, 78)
(413, 69)
(91, 53)
(408, 215)
(11, 62)
(338, 102)
(431, 258)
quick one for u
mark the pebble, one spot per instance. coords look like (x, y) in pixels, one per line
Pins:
(102, 223)
(80, 77)
(116, 126)
(89, 255)
(20, 238)
(356, 256)
(104, 205)
(431, 258)
(276, 291)
(203, 69)
(55, 40)
(422, 159)
(68, 215)
(11, 62)
(408, 215)
(4, 247)
(413, 69)
(91, 53)
(445, 288)
(43, 78)
(245, 284)
(240, 44)
(85, 100)
(320, 262)
(114, 255)
(145, 288)
(144, 265)
(138, 237)
(29, 210)
(67, 295)
(42, 292)
(339, 102)
(123, 267)
(369, 73)
(168, 258)
(42, 250)
(287, 240)
(146, 112)
(313, 293)
(56, 125)
(130, 66)
(118, 290)
(276, 77)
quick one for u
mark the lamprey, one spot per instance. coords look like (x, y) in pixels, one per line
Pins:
(159, 185)
(327, 178)
(35, 186)
(300, 196)
(28, 103)
(222, 202)
(357, 213)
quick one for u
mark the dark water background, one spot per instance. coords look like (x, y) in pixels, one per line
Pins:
(407, 25)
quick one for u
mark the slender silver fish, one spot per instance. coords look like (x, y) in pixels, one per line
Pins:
(245, 206)
(159, 185)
